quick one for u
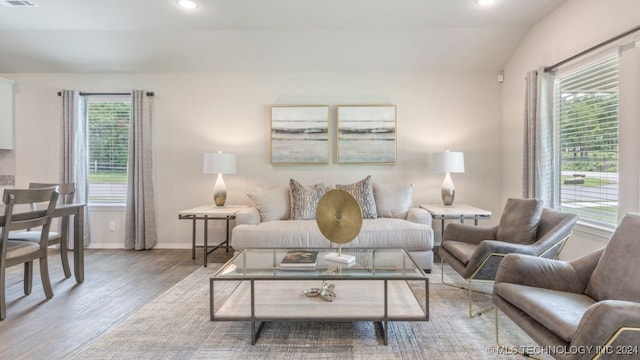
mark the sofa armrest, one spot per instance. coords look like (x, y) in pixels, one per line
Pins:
(603, 320)
(419, 215)
(248, 216)
(469, 233)
(540, 272)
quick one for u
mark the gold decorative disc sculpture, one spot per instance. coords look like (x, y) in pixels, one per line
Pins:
(339, 219)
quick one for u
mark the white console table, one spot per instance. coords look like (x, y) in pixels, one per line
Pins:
(456, 212)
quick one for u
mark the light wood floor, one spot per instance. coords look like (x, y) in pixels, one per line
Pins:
(117, 283)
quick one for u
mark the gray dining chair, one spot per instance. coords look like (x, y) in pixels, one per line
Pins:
(24, 252)
(66, 193)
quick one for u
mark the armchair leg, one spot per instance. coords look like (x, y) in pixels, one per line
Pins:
(613, 338)
(469, 290)
(473, 314)
(510, 349)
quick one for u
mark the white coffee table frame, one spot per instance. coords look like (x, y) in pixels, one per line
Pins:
(264, 293)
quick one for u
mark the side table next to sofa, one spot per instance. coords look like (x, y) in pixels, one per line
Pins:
(455, 212)
(206, 213)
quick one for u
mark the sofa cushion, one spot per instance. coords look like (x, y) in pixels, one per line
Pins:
(393, 200)
(558, 311)
(519, 221)
(375, 233)
(304, 200)
(272, 204)
(362, 191)
(617, 273)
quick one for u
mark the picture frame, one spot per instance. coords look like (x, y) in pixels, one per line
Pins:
(299, 134)
(366, 134)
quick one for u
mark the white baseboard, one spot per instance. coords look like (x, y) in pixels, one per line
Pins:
(98, 245)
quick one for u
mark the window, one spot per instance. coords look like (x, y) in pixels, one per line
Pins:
(108, 119)
(586, 110)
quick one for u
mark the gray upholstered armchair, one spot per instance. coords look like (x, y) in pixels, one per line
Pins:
(475, 252)
(574, 309)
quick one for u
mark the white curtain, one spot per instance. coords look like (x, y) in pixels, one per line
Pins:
(74, 162)
(140, 223)
(540, 165)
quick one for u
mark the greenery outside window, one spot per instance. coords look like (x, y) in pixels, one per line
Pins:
(108, 119)
(586, 112)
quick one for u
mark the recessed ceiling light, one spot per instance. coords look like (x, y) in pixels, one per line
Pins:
(188, 4)
(485, 2)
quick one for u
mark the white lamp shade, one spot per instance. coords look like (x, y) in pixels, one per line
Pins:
(448, 162)
(219, 163)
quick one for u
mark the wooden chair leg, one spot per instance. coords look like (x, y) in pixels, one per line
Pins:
(3, 304)
(64, 247)
(28, 277)
(44, 275)
(65, 258)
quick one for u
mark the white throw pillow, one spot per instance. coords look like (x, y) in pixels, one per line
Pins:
(393, 200)
(272, 204)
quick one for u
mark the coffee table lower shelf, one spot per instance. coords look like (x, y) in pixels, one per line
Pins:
(260, 301)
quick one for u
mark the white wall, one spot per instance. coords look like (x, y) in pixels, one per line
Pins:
(198, 113)
(573, 27)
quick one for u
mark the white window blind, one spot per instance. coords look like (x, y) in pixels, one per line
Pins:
(108, 118)
(586, 109)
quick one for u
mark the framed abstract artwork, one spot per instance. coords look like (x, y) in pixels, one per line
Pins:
(366, 134)
(299, 134)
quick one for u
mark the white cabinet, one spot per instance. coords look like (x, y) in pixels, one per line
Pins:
(6, 114)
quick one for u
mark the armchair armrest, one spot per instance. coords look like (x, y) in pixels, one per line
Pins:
(540, 272)
(602, 321)
(248, 216)
(586, 264)
(469, 233)
(554, 236)
(419, 216)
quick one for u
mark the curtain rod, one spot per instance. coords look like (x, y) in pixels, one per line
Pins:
(593, 48)
(149, 93)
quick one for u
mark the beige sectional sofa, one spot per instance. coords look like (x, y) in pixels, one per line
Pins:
(390, 221)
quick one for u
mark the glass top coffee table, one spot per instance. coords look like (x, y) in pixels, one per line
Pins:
(382, 285)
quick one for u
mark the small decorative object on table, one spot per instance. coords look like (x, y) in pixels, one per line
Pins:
(299, 260)
(339, 218)
(326, 292)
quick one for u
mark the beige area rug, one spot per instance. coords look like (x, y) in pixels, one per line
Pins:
(176, 326)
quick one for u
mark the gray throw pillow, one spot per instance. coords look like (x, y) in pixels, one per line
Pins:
(519, 221)
(304, 199)
(362, 191)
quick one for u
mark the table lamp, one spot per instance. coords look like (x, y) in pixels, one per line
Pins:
(219, 163)
(448, 162)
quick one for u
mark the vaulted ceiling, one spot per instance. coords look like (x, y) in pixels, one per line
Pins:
(147, 36)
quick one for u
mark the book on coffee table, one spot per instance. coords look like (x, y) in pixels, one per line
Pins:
(299, 260)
